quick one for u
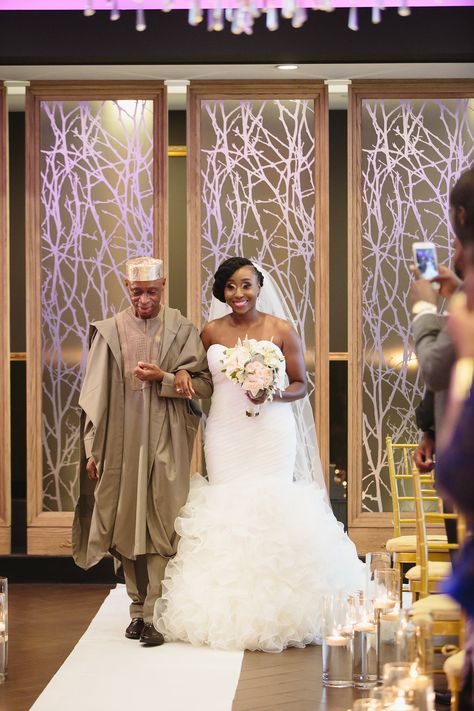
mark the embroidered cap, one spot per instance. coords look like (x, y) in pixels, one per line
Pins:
(144, 269)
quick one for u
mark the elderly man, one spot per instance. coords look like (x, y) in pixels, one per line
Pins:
(138, 430)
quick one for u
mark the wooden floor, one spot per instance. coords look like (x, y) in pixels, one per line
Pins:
(46, 621)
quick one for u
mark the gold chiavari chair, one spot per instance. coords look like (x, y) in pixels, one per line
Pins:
(425, 576)
(446, 615)
(403, 547)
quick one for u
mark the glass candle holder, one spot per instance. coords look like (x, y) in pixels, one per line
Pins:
(364, 655)
(3, 629)
(387, 612)
(378, 560)
(337, 641)
(394, 672)
(424, 643)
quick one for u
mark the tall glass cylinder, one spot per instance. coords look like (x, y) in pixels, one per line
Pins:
(424, 643)
(3, 628)
(337, 641)
(364, 659)
(378, 560)
(387, 611)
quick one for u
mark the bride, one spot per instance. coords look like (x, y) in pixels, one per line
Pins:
(258, 550)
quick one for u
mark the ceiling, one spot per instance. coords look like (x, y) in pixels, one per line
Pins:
(184, 73)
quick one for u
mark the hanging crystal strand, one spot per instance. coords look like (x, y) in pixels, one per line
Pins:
(254, 9)
(376, 15)
(353, 23)
(115, 12)
(237, 26)
(167, 5)
(300, 17)
(272, 19)
(140, 24)
(247, 22)
(404, 10)
(288, 9)
(228, 14)
(195, 13)
(218, 16)
(326, 6)
(89, 9)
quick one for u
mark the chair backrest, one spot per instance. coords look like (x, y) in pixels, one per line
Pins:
(424, 546)
(401, 470)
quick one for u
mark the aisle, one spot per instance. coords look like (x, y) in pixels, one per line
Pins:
(107, 671)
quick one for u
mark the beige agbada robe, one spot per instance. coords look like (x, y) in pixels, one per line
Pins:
(140, 435)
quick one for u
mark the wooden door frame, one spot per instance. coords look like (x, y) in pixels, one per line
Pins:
(370, 530)
(49, 533)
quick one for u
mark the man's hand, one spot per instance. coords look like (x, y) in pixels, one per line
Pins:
(148, 372)
(448, 282)
(423, 454)
(183, 384)
(422, 289)
(91, 470)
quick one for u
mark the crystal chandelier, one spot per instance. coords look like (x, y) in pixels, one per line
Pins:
(241, 15)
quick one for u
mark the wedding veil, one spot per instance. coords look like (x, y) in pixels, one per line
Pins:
(308, 464)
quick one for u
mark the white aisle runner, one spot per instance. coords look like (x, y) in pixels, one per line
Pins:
(107, 672)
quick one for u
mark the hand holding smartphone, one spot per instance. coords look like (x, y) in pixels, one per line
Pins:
(424, 256)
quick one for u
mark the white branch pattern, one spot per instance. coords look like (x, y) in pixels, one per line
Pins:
(412, 153)
(257, 192)
(96, 212)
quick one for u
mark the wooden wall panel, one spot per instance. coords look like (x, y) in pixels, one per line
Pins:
(5, 446)
(198, 93)
(370, 530)
(49, 531)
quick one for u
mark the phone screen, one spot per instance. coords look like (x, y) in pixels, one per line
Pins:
(426, 262)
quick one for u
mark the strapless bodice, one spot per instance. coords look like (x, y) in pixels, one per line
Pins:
(237, 445)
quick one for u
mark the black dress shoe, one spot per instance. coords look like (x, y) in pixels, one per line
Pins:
(135, 628)
(151, 636)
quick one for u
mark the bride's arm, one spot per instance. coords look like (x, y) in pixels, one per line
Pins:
(295, 367)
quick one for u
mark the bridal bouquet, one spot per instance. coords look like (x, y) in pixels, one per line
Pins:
(258, 367)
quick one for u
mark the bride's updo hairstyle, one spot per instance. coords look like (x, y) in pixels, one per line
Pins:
(225, 271)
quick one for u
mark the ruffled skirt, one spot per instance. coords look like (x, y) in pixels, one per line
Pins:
(254, 561)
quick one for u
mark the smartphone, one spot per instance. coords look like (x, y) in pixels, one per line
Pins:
(424, 256)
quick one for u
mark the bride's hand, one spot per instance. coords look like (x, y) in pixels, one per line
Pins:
(256, 400)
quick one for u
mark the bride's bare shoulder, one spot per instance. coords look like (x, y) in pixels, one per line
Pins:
(212, 329)
(279, 325)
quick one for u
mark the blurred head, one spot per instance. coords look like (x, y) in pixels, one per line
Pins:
(461, 211)
(469, 277)
(237, 278)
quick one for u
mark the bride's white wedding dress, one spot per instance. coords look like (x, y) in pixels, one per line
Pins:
(257, 551)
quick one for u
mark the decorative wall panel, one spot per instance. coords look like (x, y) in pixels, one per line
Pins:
(5, 465)
(97, 207)
(411, 149)
(257, 160)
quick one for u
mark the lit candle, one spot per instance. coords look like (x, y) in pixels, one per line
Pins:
(336, 640)
(392, 615)
(384, 603)
(400, 705)
(365, 626)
